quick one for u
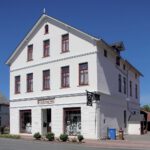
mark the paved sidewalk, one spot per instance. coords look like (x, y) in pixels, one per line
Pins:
(119, 144)
(131, 141)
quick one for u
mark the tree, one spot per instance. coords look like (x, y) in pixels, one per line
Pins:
(146, 108)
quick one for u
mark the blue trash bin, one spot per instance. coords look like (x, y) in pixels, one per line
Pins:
(112, 134)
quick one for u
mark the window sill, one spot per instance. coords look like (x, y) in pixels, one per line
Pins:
(29, 92)
(64, 52)
(46, 56)
(17, 93)
(80, 85)
(29, 60)
(45, 89)
(65, 87)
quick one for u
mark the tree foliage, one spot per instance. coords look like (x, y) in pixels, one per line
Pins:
(146, 108)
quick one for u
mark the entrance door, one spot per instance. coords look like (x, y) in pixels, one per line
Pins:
(48, 120)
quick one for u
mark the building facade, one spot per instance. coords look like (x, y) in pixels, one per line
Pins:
(4, 112)
(50, 72)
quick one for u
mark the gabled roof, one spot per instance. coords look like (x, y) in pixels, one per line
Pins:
(45, 18)
(42, 19)
(134, 68)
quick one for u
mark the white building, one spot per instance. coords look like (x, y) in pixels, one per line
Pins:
(51, 70)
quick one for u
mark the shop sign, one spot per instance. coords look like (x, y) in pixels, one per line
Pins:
(46, 101)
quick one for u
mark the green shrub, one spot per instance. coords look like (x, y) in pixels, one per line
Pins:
(50, 136)
(80, 138)
(63, 137)
(37, 136)
(9, 136)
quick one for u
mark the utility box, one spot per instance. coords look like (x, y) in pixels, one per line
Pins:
(112, 134)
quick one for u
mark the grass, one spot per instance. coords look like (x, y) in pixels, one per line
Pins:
(11, 136)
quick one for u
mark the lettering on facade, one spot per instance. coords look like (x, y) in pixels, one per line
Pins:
(46, 101)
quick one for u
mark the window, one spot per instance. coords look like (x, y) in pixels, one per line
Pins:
(105, 53)
(0, 121)
(135, 76)
(46, 80)
(65, 43)
(46, 29)
(46, 45)
(30, 82)
(124, 67)
(83, 74)
(72, 121)
(17, 84)
(25, 121)
(124, 85)
(30, 53)
(119, 83)
(136, 91)
(0, 108)
(125, 118)
(65, 76)
(118, 60)
(130, 88)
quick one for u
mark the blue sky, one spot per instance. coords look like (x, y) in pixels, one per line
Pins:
(112, 20)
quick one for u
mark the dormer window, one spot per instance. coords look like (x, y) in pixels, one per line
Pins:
(118, 60)
(46, 29)
(105, 52)
(135, 76)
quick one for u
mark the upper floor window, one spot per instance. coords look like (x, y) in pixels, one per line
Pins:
(124, 67)
(118, 60)
(46, 29)
(46, 79)
(46, 47)
(30, 82)
(136, 76)
(65, 43)
(83, 74)
(125, 118)
(17, 84)
(124, 85)
(65, 76)
(130, 88)
(30, 53)
(0, 121)
(119, 83)
(136, 91)
(105, 53)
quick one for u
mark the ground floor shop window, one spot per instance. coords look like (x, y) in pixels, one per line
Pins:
(72, 121)
(25, 121)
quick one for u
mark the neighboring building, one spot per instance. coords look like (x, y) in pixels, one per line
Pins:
(145, 123)
(51, 70)
(4, 111)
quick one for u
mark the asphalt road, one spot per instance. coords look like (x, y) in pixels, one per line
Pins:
(11, 144)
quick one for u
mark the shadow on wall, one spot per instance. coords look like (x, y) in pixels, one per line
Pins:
(112, 104)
